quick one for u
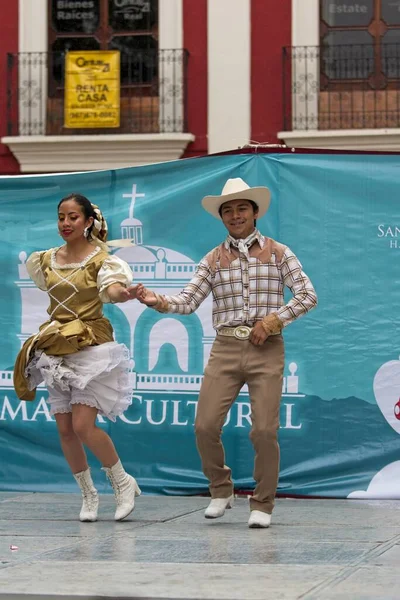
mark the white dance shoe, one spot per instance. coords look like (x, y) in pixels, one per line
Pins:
(125, 490)
(217, 507)
(90, 497)
(259, 519)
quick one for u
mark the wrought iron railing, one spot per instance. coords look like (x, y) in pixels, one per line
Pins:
(341, 87)
(153, 93)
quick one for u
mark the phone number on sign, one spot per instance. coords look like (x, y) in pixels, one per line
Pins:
(93, 115)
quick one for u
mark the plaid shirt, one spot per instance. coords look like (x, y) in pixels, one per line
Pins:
(247, 286)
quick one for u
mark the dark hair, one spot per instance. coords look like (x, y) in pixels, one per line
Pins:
(84, 203)
(253, 204)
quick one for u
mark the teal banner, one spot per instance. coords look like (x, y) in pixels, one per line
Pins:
(340, 411)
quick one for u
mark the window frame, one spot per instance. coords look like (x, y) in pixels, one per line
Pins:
(103, 34)
(377, 28)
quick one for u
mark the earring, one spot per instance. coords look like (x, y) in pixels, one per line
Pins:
(86, 232)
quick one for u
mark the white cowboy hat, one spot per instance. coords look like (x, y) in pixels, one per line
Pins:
(237, 189)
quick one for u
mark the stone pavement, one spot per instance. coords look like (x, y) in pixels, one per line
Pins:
(329, 549)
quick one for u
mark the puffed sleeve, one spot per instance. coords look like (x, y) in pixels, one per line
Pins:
(34, 268)
(113, 270)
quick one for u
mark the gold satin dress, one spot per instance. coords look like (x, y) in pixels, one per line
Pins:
(74, 352)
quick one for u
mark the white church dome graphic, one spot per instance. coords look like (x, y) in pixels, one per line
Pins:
(170, 351)
(151, 262)
(387, 392)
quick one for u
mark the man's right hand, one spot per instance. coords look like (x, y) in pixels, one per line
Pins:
(145, 296)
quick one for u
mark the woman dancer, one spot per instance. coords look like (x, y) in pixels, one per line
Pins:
(86, 372)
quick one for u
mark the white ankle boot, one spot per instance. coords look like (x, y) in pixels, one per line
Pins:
(125, 489)
(259, 519)
(90, 504)
(217, 507)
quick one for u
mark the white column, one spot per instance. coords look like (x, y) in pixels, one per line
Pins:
(305, 64)
(171, 61)
(32, 69)
(229, 93)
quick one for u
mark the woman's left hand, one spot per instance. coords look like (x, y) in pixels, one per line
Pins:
(118, 293)
(128, 293)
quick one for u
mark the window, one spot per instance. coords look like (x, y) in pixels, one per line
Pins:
(130, 26)
(360, 42)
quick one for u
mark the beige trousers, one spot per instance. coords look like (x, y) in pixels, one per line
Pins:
(232, 363)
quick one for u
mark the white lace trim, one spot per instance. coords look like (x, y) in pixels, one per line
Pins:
(86, 401)
(59, 410)
(120, 407)
(56, 373)
(55, 264)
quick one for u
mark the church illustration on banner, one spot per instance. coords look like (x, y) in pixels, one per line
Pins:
(169, 351)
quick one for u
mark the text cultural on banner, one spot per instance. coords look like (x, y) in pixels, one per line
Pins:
(92, 89)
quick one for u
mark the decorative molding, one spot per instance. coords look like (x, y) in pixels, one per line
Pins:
(171, 72)
(344, 139)
(170, 24)
(66, 153)
(32, 38)
(305, 73)
(32, 76)
(305, 22)
(229, 81)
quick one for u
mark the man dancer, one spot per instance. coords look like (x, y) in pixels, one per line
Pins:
(246, 275)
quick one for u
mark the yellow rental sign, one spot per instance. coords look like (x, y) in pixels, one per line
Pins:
(92, 89)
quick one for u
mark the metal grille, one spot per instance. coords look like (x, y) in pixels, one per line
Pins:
(153, 93)
(341, 87)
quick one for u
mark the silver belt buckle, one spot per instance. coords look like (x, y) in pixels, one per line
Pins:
(242, 332)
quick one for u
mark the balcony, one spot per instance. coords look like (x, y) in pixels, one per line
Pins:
(344, 97)
(153, 115)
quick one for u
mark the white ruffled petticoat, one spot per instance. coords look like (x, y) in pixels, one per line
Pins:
(97, 376)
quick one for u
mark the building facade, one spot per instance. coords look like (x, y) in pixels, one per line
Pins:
(200, 77)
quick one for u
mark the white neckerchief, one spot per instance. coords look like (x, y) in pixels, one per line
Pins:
(244, 245)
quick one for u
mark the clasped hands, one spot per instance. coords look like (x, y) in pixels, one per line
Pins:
(118, 293)
(145, 296)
